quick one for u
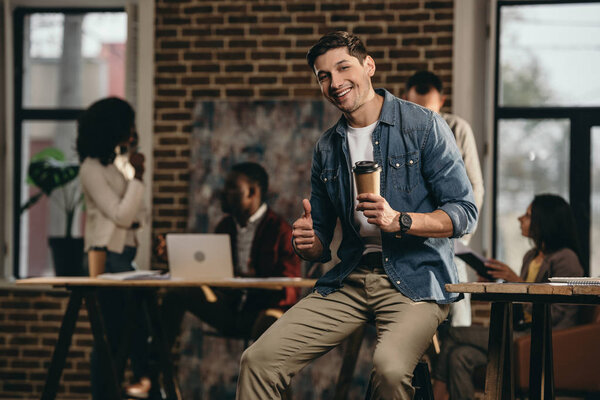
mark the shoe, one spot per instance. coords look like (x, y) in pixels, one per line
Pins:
(139, 390)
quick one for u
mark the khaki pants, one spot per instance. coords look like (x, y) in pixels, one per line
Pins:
(317, 324)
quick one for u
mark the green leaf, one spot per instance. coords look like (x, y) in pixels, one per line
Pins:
(48, 170)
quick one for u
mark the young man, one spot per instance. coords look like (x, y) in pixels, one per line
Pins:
(425, 89)
(395, 252)
(261, 247)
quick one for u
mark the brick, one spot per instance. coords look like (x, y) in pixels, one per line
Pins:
(245, 19)
(229, 80)
(12, 375)
(335, 6)
(264, 30)
(295, 55)
(415, 17)
(17, 387)
(196, 31)
(165, 33)
(265, 55)
(206, 68)
(21, 305)
(239, 92)
(243, 43)
(300, 7)
(274, 92)
(166, 104)
(277, 19)
(404, 53)
(305, 92)
(311, 19)
(272, 68)
(175, 44)
(381, 42)
(232, 8)
(439, 4)
(298, 80)
(443, 16)
(22, 317)
(420, 41)
(209, 43)
(403, 5)
(195, 80)
(403, 66)
(344, 18)
(403, 29)
(276, 43)
(25, 364)
(172, 68)
(367, 29)
(230, 31)
(170, 141)
(231, 55)
(161, 224)
(298, 30)
(445, 40)
(23, 340)
(208, 20)
(158, 57)
(180, 21)
(438, 28)
(184, 116)
(438, 53)
(257, 80)
(195, 9)
(239, 68)
(369, 6)
(384, 17)
(164, 81)
(197, 55)
(172, 213)
(38, 353)
(266, 8)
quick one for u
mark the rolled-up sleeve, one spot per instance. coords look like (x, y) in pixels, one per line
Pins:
(444, 170)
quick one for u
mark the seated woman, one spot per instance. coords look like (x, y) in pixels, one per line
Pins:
(550, 225)
(114, 210)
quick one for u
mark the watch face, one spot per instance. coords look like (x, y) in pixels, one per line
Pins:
(405, 221)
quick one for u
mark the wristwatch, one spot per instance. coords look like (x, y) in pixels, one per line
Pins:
(405, 222)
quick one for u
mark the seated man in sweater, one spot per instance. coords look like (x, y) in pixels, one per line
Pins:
(262, 247)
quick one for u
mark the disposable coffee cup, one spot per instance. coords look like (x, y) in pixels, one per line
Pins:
(366, 175)
(96, 262)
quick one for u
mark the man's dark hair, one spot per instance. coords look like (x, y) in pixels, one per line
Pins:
(335, 40)
(552, 225)
(256, 174)
(423, 82)
(101, 127)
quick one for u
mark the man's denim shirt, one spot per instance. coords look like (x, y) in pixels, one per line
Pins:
(422, 171)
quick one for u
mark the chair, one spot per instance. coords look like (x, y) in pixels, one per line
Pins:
(576, 352)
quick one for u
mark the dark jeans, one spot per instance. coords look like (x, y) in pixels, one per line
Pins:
(227, 314)
(113, 304)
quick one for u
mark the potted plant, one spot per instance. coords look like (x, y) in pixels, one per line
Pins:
(49, 171)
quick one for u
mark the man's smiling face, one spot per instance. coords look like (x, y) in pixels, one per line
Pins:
(343, 80)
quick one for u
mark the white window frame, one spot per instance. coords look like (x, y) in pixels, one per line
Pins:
(144, 93)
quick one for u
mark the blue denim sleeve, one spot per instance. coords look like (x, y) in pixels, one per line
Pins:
(445, 173)
(322, 210)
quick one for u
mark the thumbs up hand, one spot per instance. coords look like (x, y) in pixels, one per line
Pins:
(303, 234)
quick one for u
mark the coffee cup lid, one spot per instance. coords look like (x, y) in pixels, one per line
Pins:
(365, 167)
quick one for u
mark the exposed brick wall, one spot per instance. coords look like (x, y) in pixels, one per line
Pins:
(256, 50)
(29, 325)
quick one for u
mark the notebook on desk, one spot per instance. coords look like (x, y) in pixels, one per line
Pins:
(577, 280)
(195, 256)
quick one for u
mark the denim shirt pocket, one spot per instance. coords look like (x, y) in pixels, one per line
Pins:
(330, 178)
(405, 170)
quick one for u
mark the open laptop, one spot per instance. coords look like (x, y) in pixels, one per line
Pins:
(194, 256)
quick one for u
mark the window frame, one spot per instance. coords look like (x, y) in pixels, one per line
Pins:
(581, 119)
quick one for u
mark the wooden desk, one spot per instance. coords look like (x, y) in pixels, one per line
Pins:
(499, 381)
(86, 288)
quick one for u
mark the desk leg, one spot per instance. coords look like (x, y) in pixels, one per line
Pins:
(499, 383)
(132, 308)
(353, 344)
(62, 346)
(101, 342)
(164, 352)
(541, 372)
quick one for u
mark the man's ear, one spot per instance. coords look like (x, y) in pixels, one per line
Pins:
(370, 65)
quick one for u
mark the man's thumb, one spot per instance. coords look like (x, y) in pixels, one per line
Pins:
(306, 205)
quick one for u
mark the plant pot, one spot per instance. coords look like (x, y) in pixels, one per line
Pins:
(67, 255)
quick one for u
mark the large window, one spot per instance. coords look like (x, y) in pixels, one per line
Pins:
(547, 101)
(64, 60)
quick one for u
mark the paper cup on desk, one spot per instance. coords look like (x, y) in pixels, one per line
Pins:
(96, 262)
(366, 175)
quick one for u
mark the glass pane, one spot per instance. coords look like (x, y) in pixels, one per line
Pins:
(595, 228)
(533, 158)
(75, 58)
(549, 55)
(47, 217)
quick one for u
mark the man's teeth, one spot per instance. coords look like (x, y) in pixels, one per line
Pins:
(342, 93)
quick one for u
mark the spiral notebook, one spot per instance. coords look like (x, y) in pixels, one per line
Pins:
(577, 280)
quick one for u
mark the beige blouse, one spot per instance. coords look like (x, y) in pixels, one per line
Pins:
(112, 204)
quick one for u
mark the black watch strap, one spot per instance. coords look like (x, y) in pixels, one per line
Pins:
(405, 222)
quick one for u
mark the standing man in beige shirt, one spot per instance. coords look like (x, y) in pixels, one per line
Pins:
(425, 89)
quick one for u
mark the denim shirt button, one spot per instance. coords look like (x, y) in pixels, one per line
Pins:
(398, 282)
(397, 164)
(411, 162)
(324, 179)
(377, 142)
(387, 259)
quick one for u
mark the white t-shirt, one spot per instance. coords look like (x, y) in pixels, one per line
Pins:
(360, 146)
